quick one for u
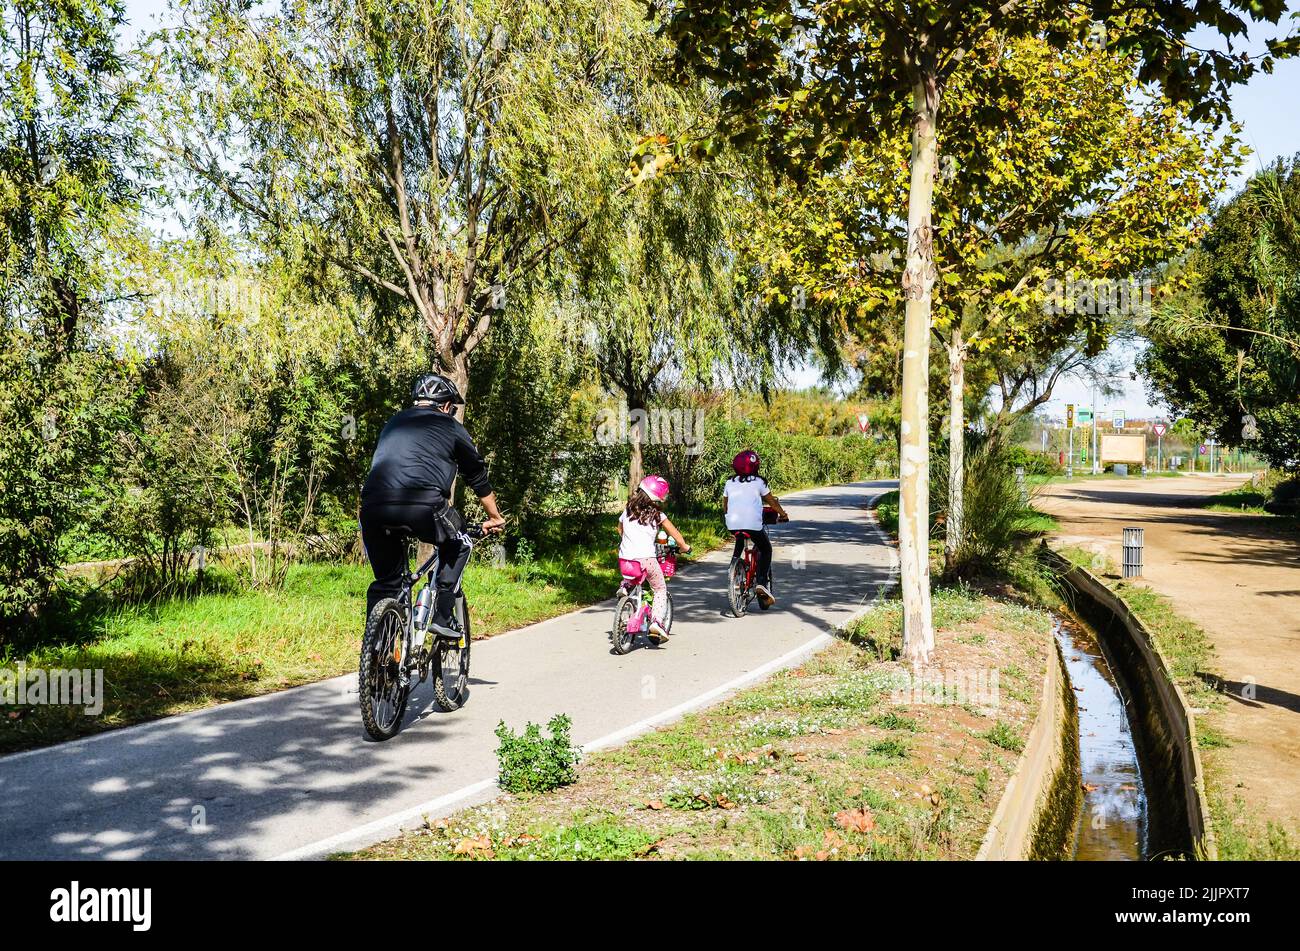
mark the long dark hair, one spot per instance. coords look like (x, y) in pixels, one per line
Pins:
(641, 508)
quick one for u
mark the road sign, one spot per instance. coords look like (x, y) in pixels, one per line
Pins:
(1118, 418)
(1069, 415)
(864, 422)
(1083, 415)
(1203, 449)
(1159, 429)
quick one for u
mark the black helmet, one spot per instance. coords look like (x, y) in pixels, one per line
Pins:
(437, 389)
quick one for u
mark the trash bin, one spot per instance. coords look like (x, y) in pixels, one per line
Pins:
(1134, 539)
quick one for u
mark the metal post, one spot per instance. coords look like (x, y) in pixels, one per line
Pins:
(1133, 541)
(1069, 459)
(1159, 441)
(1096, 463)
(1020, 484)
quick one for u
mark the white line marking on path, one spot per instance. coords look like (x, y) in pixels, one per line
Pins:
(390, 825)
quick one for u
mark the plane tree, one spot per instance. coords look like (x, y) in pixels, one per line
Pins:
(809, 79)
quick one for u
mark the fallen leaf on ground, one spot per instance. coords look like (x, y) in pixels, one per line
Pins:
(855, 820)
(655, 804)
(477, 846)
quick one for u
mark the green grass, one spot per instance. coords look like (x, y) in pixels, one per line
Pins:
(186, 652)
(1244, 498)
(821, 762)
(1004, 735)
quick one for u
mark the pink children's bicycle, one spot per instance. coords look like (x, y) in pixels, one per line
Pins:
(632, 613)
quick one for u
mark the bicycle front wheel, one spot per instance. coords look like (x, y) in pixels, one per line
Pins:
(451, 662)
(381, 685)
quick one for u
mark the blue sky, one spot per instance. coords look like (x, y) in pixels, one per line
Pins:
(1268, 108)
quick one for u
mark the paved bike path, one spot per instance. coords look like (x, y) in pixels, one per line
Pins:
(291, 774)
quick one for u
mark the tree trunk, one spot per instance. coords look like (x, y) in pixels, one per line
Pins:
(956, 447)
(914, 459)
(635, 434)
(457, 370)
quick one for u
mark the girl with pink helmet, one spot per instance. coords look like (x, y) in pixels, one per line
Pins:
(638, 526)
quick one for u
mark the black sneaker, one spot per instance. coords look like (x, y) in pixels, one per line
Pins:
(443, 628)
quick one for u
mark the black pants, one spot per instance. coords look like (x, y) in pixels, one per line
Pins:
(762, 545)
(385, 528)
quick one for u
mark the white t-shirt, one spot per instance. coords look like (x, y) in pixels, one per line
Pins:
(638, 540)
(745, 503)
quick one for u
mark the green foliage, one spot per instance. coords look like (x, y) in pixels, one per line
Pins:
(530, 762)
(790, 460)
(996, 516)
(60, 415)
(1228, 345)
(69, 148)
(1004, 735)
(1034, 462)
(532, 412)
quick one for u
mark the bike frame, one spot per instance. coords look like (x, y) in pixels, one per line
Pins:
(750, 558)
(412, 579)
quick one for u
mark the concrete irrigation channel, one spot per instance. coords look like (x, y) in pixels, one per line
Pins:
(1110, 769)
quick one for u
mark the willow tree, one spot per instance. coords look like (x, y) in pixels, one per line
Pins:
(663, 300)
(439, 151)
(808, 79)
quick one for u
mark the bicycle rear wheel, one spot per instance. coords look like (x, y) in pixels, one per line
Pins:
(620, 638)
(451, 662)
(737, 593)
(381, 686)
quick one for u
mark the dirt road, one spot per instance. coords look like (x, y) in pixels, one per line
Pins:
(1238, 577)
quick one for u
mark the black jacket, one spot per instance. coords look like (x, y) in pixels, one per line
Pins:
(419, 452)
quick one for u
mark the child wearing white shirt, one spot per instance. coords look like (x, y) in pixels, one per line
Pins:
(743, 498)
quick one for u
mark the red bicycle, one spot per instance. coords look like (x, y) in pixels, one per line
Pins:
(744, 570)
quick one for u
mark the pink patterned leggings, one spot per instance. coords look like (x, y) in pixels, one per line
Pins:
(655, 577)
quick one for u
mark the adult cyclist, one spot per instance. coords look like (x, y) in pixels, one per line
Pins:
(420, 452)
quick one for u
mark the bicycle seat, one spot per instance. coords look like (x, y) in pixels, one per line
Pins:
(631, 571)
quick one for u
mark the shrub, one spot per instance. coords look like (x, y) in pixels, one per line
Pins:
(1034, 461)
(994, 513)
(530, 762)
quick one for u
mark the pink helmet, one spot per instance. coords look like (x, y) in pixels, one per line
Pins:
(655, 486)
(746, 463)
